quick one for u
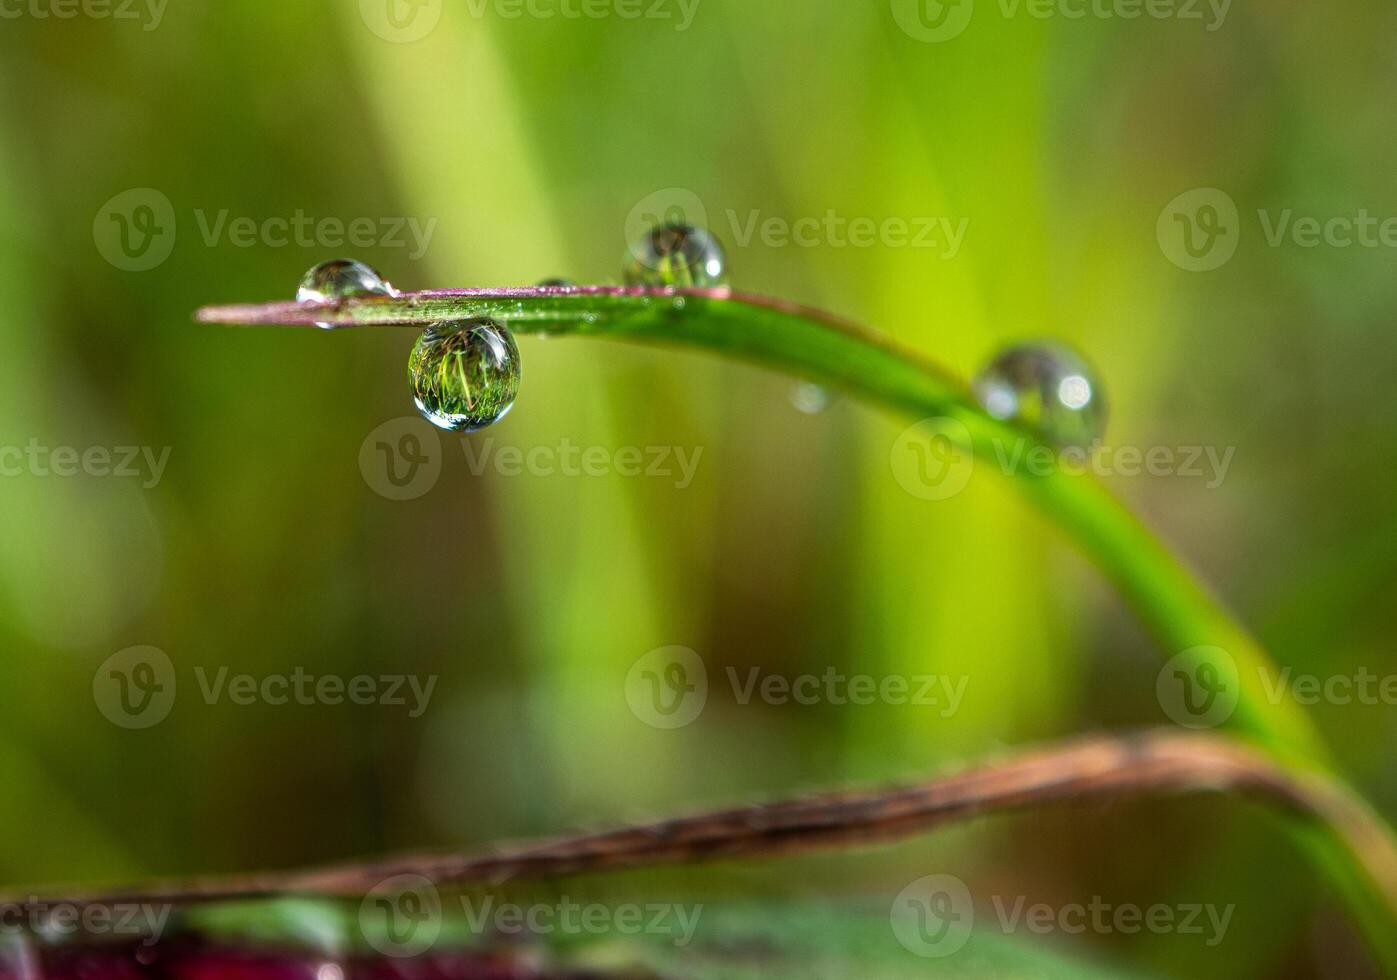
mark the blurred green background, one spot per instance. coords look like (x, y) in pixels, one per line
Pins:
(526, 142)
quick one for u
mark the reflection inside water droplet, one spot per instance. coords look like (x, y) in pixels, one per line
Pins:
(812, 399)
(1048, 387)
(340, 279)
(675, 254)
(465, 374)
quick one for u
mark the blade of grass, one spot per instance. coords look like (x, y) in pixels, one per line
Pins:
(832, 351)
(828, 350)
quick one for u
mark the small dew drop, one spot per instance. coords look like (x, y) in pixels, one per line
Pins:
(558, 284)
(340, 279)
(1048, 387)
(465, 374)
(676, 254)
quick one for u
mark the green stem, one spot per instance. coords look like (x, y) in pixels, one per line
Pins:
(1181, 613)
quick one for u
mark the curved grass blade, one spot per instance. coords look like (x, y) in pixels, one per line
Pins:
(833, 352)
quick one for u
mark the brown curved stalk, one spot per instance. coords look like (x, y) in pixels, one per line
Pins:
(1100, 767)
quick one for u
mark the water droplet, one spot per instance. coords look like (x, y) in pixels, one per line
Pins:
(675, 254)
(810, 398)
(1048, 387)
(465, 374)
(339, 279)
(558, 283)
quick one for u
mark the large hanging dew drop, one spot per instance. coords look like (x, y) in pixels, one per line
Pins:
(465, 374)
(340, 279)
(675, 254)
(1048, 387)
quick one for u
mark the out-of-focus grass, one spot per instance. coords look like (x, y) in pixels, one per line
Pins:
(794, 549)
